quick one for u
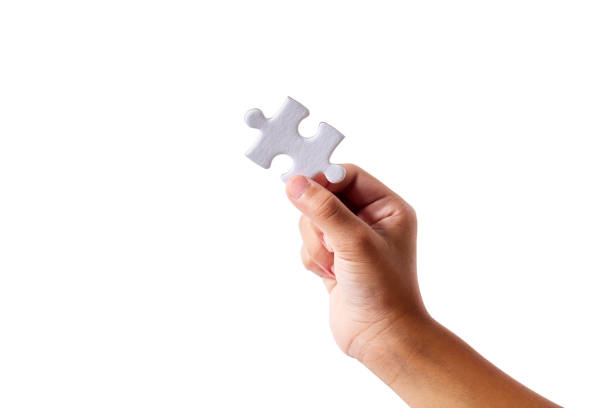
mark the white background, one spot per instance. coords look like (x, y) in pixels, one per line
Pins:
(145, 262)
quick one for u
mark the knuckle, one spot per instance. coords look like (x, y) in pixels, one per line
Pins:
(407, 215)
(328, 207)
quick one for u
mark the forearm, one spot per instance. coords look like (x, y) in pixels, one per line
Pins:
(428, 366)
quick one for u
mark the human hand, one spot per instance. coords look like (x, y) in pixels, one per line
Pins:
(360, 237)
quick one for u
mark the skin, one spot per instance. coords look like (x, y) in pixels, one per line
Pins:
(360, 238)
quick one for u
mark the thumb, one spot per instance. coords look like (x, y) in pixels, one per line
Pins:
(342, 228)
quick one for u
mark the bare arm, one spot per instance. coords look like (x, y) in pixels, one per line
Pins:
(429, 366)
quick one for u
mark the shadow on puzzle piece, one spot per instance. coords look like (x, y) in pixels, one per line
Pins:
(279, 135)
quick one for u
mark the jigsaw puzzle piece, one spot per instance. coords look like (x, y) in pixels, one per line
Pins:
(279, 135)
(312, 157)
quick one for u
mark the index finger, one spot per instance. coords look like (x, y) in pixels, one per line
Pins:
(358, 187)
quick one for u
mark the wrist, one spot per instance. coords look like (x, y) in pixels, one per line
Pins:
(395, 349)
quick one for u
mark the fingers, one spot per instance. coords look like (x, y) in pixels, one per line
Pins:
(375, 203)
(342, 228)
(359, 187)
(329, 283)
(315, 245)
(315, 257)
(311, 265)
(329, 279)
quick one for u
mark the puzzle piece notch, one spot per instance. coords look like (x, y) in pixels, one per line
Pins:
(279, 135)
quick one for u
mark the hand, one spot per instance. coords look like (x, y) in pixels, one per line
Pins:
(360, 237)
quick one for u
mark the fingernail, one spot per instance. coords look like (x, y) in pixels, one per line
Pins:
(297, 186)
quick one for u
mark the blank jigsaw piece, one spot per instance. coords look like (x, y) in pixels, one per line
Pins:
(279, 135)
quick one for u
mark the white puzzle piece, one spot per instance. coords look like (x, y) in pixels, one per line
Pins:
(279, 135)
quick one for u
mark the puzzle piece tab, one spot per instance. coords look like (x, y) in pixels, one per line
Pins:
(279, 135)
